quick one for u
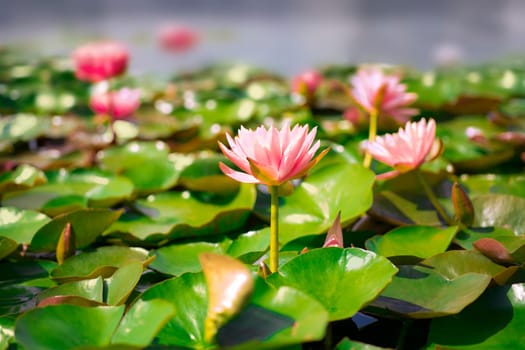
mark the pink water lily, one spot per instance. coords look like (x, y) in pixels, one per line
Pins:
(407, 149)
(271, 156)
(307, 82)
(177, 38)
(118, 104)
(375, 92)
(99, 61)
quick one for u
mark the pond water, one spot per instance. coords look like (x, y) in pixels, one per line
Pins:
(287, 36)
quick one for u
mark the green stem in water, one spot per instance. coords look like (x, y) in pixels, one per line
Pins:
(432, 197)
(372, 132)
(274, 228)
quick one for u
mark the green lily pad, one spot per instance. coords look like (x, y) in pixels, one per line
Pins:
(91, 289)
(189, 296)
(118, 158)
(492, 183)
(142, 322)
(466, 154)
(204, 174)
(343, 280)
(275, 318)
(177, 259)
(67, 190)
(87, 224)
(102, 262)
(185, 214)
(23, 177)
(122, 282)
(398, 210)
(420, 292)
(494, 321)
(419, 241)
(113, 290)
(23, 127)
(59, 327)
(20, 225)
(434, 89)
(468, 236)
(6, 332)
(7, 246)
(314, 204)
(456, 263)
(146, 164)
(499, 210)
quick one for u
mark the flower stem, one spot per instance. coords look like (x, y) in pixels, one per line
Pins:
(274, 228)
(372, 132)
(432, 197)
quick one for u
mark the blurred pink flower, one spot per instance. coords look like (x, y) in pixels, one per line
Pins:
(177, 38)
(373, 90)
(354, 116)
(307, 82)
(271, 156)
(407, 149)
(99, 61)
(118, 104)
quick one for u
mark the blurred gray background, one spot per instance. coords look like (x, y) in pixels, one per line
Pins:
(287, 36)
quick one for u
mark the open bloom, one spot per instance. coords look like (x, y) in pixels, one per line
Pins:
(177, 38)
(118, 104)
(376, 92)
(408, 148)
(99, 61)
(307, 82)
(271, 156)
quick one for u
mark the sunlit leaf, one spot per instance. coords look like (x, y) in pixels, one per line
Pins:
(420, 292)
(102, 262)
(343, 280)
(418, 241)
(67, 326)
(494, 321)
(142, 322)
